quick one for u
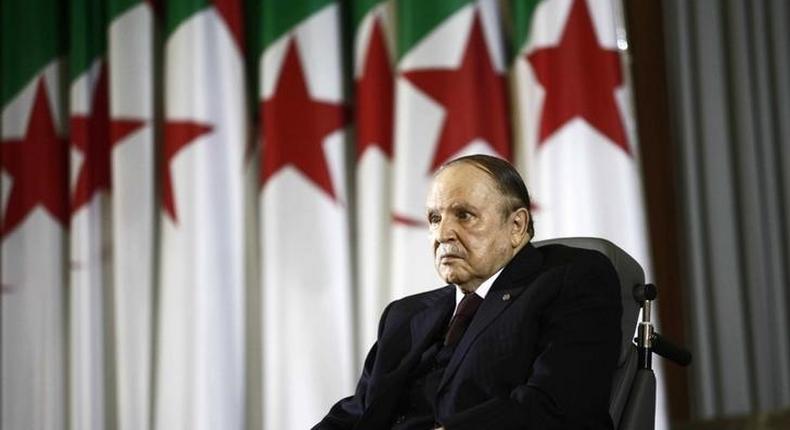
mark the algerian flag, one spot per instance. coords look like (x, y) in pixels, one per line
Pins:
(451, 101)
(578, 151)
(200, 350)
(374, 118)
(90, 183)
(305, 263)
(35, 216)
(576, 140)
(94, 133)
(130, 62)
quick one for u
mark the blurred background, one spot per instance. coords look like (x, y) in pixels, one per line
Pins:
(207, 204)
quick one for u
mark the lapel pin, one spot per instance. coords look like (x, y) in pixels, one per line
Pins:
(506, 297)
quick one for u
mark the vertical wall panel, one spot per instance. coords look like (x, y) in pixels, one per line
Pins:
(746, 112)
(776, 19)
(721, 220)
(678, 18)
(728, 67)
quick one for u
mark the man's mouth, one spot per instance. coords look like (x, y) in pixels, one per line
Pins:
(446, 252)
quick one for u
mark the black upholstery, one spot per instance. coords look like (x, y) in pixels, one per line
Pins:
(632, 401)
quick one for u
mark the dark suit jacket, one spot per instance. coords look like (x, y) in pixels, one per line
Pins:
(539, 354)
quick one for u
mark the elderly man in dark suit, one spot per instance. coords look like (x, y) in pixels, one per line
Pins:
(522, 338)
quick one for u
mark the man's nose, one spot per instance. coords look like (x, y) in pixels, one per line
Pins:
(445, 231)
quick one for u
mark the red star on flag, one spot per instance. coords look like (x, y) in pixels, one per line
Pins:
(231, 13)
(375, 97)
(95, 136)
(156, 5)
(178, 135)
(38, 164)
(474, 98)
(580, 78)
(295, 126)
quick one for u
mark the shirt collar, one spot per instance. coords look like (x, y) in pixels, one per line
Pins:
(481, 291)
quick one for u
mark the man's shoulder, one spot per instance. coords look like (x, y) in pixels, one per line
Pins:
(578, 266)
(563, 255)
(424, 299)
(400, 312)
(412, 304)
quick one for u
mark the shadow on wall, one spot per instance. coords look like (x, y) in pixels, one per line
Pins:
(777, 420)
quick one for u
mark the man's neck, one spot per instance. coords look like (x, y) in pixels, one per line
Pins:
(481, 290)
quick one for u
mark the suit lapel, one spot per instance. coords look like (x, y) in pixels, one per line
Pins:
(424, 327)
(491, 307)
(426, 324)
(510, 284)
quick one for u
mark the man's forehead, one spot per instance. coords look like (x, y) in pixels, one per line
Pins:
(461, 184)
(450, 203)
(462, 174)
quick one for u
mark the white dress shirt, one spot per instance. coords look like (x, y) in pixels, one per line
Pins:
(481, 291)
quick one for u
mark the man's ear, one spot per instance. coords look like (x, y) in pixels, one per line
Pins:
(519, 220)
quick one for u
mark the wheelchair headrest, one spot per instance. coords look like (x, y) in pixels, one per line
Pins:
(630, 274)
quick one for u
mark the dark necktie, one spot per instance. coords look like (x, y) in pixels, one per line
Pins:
(463, 315)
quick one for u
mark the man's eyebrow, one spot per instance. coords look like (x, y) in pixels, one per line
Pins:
(451, 206)
(461, 205)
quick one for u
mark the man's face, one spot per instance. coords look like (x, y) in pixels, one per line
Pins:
(471, 238)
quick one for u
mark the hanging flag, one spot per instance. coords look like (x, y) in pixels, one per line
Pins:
(575, 146)
(374, 118)
(305, 262)
(576, 141)
(130, 86)
(89, 268)
(200, 351)
(451, 100)
(35, 216)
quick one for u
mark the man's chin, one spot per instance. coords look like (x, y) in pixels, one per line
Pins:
(454, 278)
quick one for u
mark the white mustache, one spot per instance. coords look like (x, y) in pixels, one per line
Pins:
(449, 250)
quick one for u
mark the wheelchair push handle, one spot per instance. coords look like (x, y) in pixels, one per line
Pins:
(648, 341)
(670, 351)
(643, 292)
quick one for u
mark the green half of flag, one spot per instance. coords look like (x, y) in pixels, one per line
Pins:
(279, 17)
(88, 28)
(118, 7)
(521, 12)
(417, 18)
(32, 34)
(360, 8)
(178, 11)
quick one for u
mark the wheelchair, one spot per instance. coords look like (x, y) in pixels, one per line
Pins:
(632, 404)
